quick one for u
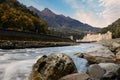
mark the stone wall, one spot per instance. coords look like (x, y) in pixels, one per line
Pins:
(97, 37)
(17, 35)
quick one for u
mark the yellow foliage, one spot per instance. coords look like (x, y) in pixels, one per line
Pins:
(15, 16)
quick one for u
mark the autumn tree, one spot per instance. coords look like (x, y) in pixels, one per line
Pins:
(15, 16)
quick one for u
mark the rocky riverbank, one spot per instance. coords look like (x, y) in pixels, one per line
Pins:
(104, 64)
(112, 44)
(13, 44)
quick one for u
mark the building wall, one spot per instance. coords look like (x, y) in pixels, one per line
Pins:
(97, 37)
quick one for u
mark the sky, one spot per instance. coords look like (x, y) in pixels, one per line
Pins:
(98, 13)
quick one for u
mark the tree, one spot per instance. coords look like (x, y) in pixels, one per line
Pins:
(16, 16)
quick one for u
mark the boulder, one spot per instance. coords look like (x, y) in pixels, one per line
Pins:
(76, 76)
(52, 67)
(115, 45)
(118, 56)
(109, 67)
(109, 76)
(80, 55)
(117, 53)
(112, 71)
(118, 49)
(95, 71)
(112, 44)
(100, 55)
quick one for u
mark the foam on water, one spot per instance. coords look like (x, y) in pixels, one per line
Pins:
(17, 64)
(18, 70)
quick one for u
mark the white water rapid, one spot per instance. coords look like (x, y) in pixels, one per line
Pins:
(17, 64)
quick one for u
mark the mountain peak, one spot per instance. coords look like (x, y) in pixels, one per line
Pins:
(47, 9)
(30, 7)
(48, 12)
(61, 21)
(33, 9)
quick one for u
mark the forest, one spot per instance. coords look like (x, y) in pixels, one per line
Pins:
(15, 16)
(114, 28)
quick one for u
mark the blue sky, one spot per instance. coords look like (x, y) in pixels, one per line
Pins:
(57, 6)
(98, 13)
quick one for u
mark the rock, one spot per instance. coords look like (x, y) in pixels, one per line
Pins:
(109, 67)
(76, 76)
(95, 71)
(112, 44)
(118, 73)
(81, 55)
(52, 67)
(115, 45)
(101, 55)
(118, 49)
(7, 45)
(112, 71)
(109, 76)
(118, 56)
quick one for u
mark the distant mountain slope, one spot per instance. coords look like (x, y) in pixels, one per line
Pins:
(114, 28)
(61, 22)
(15, 16)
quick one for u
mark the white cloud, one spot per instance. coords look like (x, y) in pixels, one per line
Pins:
(90, 18)
(110, 12)
(73, 3)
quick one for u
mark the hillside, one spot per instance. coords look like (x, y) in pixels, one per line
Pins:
(114, 28)
(15, 16)
(56, 21)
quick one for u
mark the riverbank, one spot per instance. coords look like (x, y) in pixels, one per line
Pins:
(102, 65)
(112, 44)
(17, 63)
(104, 62)
(10, 39)
(14, 44)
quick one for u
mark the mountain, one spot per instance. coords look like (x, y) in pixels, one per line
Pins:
(15, 16)
(56, 21)
(114, 28)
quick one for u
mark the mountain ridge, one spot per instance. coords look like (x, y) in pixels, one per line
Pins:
(60, 21)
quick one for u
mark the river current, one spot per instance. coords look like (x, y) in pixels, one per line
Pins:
(17, 64)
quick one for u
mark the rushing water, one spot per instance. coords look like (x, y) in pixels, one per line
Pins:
(17, 64)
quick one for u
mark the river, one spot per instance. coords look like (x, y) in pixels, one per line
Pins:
(17, 64)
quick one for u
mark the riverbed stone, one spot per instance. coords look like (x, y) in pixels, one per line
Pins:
(76, 76)
(112, 44)
(117, 53)
(109, 67)
(118, 56)
(112, 71)
(118, 49)
(100, 55)
(53, 67)
(116, 45)
(80, 55)
(95, 71)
